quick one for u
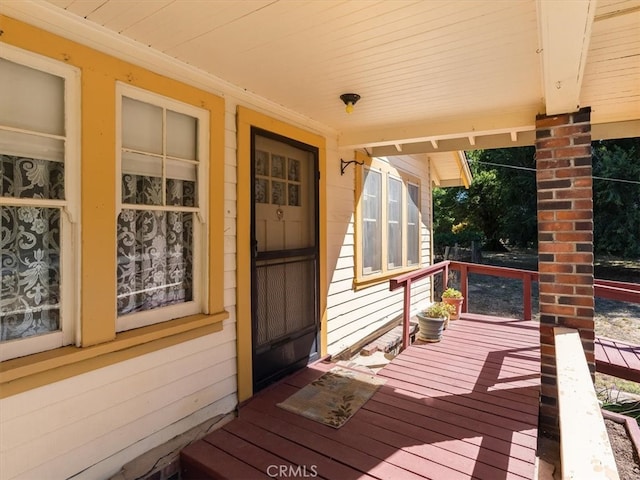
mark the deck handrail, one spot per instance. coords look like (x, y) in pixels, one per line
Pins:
(585, 450)
(614, 290)
(404, 281)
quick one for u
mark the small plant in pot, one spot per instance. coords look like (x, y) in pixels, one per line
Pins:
(432, 321)
(453, 297)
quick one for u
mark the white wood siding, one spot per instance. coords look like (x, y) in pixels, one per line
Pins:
(353, 315)
(95, 422)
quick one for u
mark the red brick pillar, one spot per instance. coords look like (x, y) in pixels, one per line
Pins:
(565, 243)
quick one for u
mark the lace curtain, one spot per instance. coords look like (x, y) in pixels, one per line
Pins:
(30, 246)
(155, 248)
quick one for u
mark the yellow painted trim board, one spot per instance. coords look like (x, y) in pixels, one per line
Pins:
(247, 118)
(21, 374)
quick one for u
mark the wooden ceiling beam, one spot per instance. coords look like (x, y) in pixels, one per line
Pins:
(565, 31)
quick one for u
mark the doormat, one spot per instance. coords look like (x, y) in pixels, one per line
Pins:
(335, 397)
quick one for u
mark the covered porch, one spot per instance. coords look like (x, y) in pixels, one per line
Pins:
(466, 407)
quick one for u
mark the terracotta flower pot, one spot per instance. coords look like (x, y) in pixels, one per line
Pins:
(457, 304)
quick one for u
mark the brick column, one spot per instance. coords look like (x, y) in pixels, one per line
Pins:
(565, 243)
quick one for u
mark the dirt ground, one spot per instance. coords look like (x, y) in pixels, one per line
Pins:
(626, 459)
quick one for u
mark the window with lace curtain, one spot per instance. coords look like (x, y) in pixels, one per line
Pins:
(38, 203)
(160, 231)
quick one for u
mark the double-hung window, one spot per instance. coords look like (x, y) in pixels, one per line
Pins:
(39, 207)
(387, 221)
(161, 236)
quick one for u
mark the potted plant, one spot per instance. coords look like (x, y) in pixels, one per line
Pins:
(453, 297)
(431, 321)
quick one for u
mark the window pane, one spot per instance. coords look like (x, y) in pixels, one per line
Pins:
(34, 101)
(182, 135)
(371, 222)
(394, 223)
(32, 146)
(181, 183)
(413, 225)
(141, 126)
(31, 178)
(30, 245)
(155, 259)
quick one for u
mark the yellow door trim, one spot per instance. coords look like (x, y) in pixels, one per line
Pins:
(246, 119)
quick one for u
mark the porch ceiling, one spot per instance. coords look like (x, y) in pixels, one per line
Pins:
(433, 75)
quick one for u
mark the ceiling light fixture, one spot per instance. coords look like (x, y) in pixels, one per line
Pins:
(349, 100)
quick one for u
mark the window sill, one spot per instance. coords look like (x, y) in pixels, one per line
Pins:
(360, 283)
(25, 373)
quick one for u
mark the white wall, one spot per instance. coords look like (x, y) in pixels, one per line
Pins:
(91, 424)
(353, 315)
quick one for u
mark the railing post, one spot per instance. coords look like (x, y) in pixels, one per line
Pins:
(406, 312)
(445, 277)
(527, 296)
(464, 287)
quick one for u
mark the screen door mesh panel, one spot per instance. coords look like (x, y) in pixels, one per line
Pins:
(285, 299)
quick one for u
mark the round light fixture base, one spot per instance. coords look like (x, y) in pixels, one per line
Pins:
(350, 99)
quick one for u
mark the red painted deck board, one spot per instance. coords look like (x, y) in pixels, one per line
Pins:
(617, 358)
(464, 408)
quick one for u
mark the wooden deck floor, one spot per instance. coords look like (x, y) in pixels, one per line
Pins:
(466, 407)
(617, 358)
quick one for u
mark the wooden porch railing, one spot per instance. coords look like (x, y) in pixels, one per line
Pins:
(613, 290)
(583, 434)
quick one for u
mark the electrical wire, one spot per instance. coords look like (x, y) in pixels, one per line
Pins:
(529, 169)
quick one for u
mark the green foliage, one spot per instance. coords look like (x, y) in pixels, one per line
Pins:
(451, 293)
(617, 204)
(500, 207)
(439, 310)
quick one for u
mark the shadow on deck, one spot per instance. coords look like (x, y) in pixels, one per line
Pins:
(466, 407)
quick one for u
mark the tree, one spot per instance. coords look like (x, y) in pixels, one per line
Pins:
(617, 203)
(502, 200)
(500, 203)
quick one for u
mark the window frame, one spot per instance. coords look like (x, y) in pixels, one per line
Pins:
(387, 172)
(70, 207)
(199, 303)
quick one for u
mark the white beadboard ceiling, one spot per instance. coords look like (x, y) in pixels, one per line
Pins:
(433, 75)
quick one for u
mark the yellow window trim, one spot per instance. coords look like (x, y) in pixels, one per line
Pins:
(361, 281)
(371, 280)
(25, 373)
